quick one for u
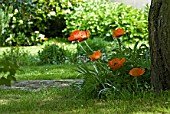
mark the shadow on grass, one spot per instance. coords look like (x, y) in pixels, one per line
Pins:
(64, 101)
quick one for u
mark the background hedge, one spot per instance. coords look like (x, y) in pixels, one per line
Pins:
(32, 21)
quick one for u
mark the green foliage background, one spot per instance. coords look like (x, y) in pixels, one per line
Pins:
(31, 20)
(44, 16)
(101, 17)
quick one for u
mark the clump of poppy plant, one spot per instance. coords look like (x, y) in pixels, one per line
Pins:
(105, 78)
(96, 55)
(136, 72)
(79, 35)
(118, 33)
(116, 63)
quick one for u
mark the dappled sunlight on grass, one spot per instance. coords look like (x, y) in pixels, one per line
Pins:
(3, 101)
(65, 101)
(47, 72)
(6, 99)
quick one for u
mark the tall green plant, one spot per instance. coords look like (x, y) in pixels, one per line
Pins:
(7, 72)
(4, 19)
(52, 54)
(19, 56)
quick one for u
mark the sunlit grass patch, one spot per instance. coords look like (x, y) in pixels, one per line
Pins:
(3, 101)
(47, 72)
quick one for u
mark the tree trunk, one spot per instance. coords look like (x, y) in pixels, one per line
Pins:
(159, 40)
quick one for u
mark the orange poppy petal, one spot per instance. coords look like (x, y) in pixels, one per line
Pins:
(87, 33)
(136, 72)
(116, 63)
(81, 39)
(84, 35)
(79, 36)
(71, 38)
(75, 32)
(96, 55)
(118, 33)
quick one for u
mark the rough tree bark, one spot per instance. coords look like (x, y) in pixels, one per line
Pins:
(159, 40)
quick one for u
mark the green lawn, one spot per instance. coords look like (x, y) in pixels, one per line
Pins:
(55, 101)
(46, 72)
(66, 101)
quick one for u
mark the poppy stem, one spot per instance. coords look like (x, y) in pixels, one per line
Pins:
(103, 66)
(119, 43)
(136, 83)
(82, 48)
(88, 46)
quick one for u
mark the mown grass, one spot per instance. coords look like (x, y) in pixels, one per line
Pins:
(47, 72)
(64, 101)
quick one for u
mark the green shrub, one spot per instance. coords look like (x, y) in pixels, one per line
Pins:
(7, 72)
(34, 20)
(19, 56)
(52, 54)
(101, 17)
(4, 20)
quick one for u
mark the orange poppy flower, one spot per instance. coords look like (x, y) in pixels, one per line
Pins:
(54, 41)
(79, 35)
(96, 55)
(117, 33)
(41, 40)
(116, 63)
(45, 39)
(136, 72)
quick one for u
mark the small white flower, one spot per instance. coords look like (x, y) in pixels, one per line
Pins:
(41, 36)
(37, 32)
(14, 18)
(10, 15)
(21, 21)
(16, 10)
(3, 31)
(30, 22)
(13, 26)
(69, 4)
(67, 11)
(8, 39)
(52, 13)
(48, 15)
(53, 42)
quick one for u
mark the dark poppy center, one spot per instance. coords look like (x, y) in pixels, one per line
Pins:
(114, 63)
